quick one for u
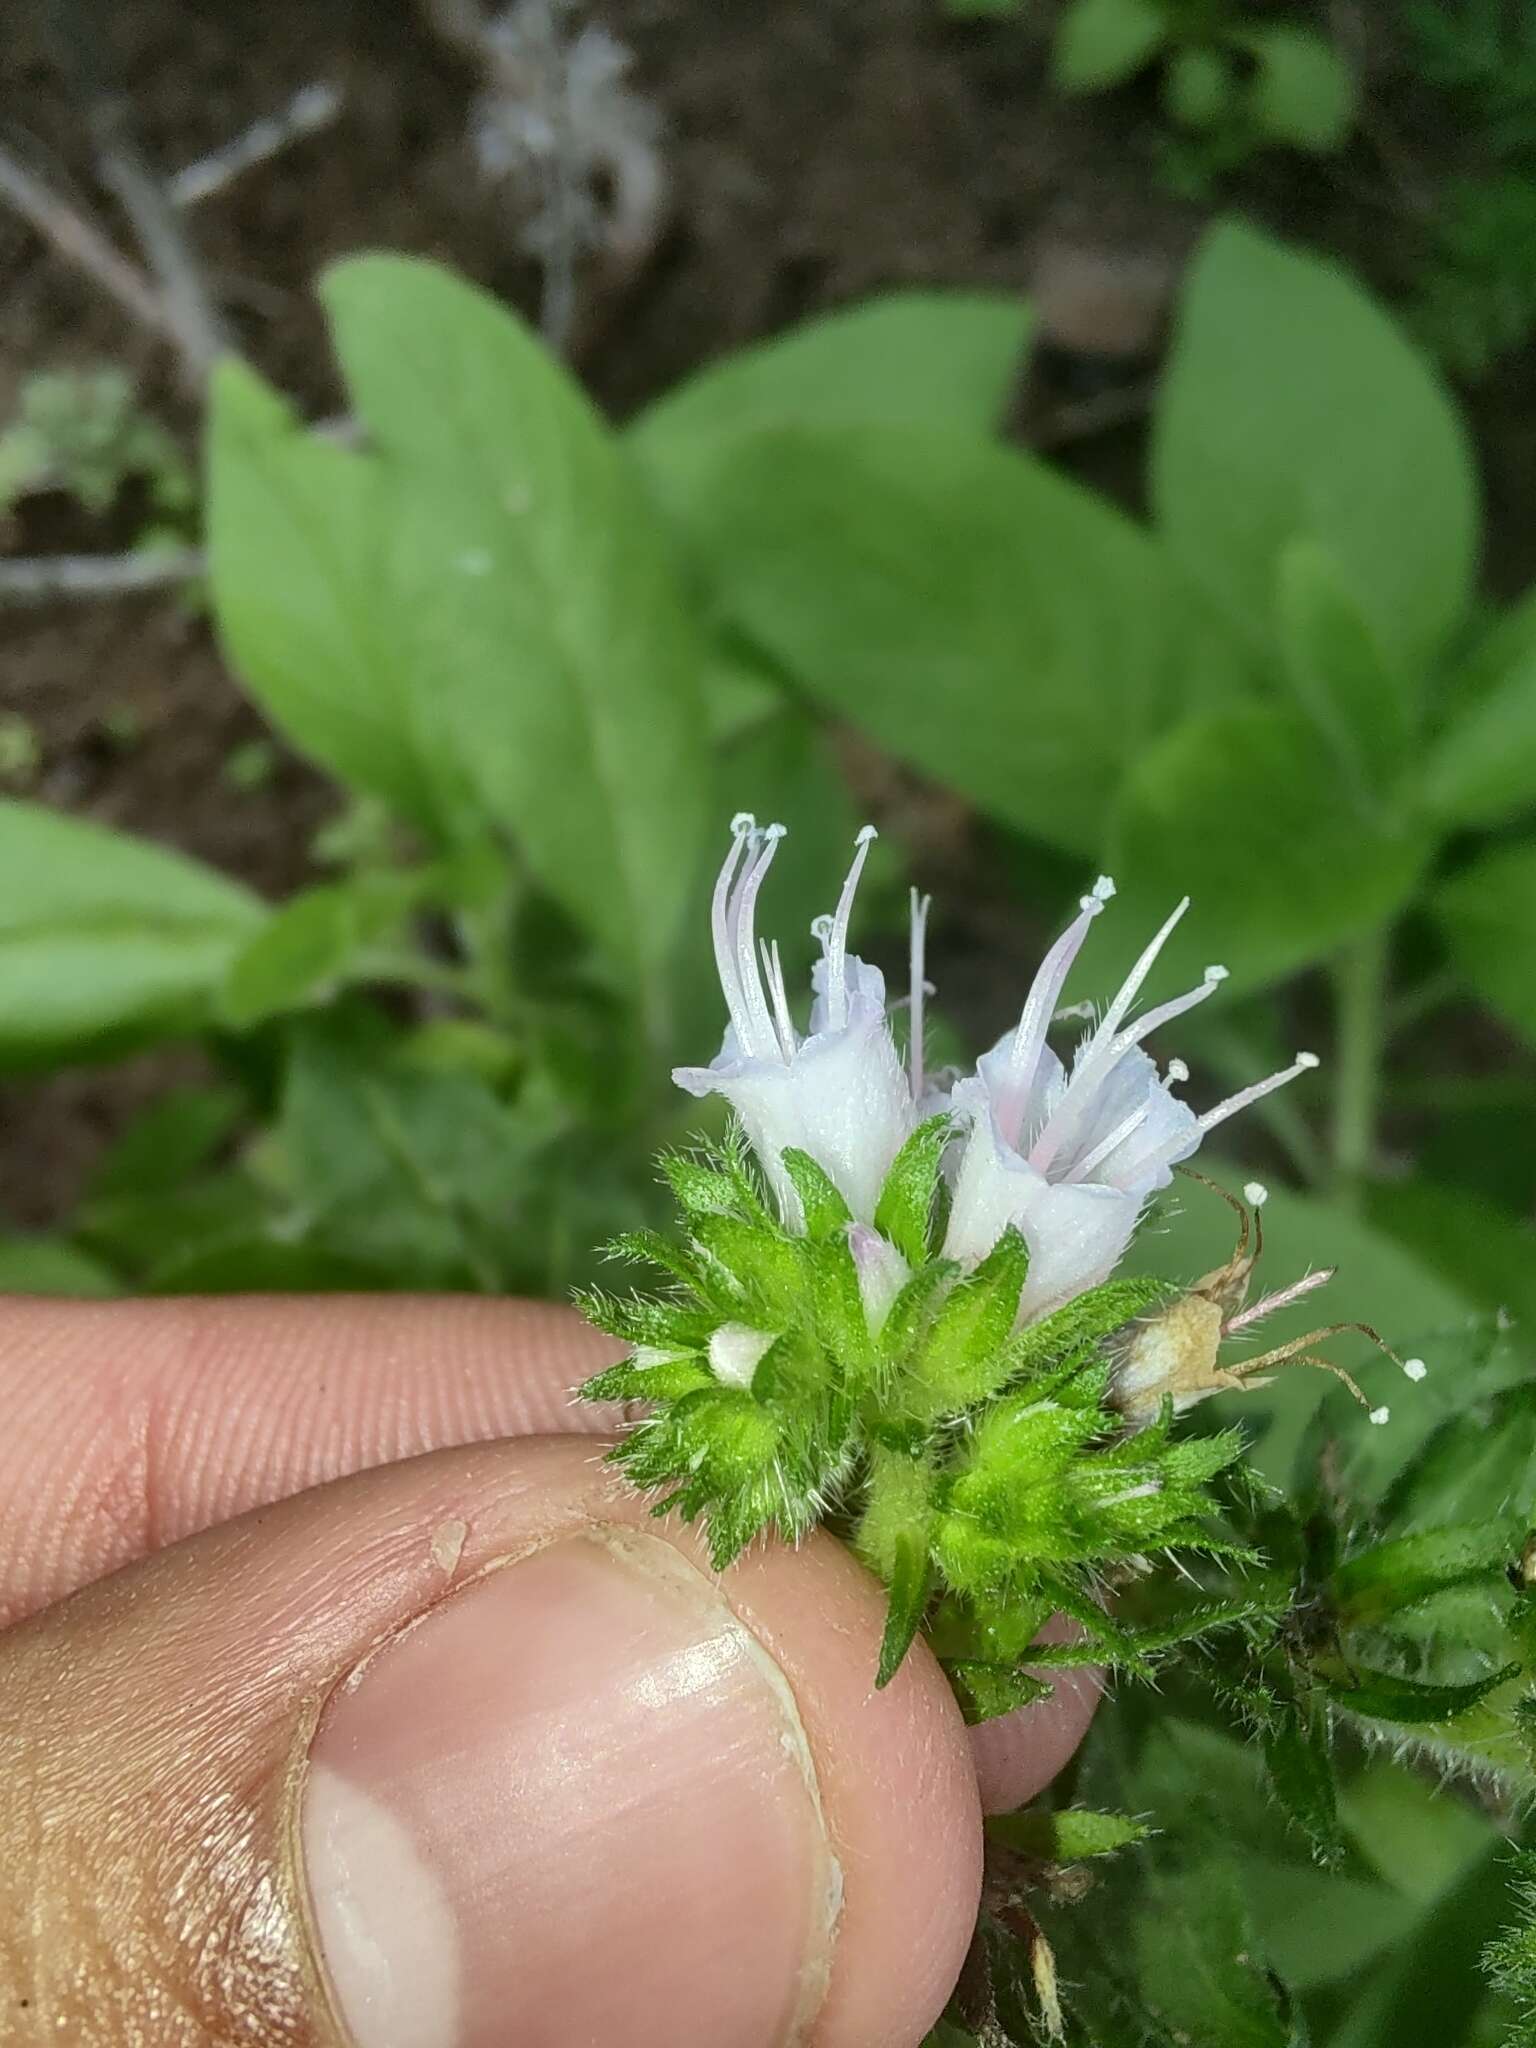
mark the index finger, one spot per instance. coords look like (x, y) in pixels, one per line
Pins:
(125, 1426)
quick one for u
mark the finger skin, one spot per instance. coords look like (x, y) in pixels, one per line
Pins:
(150, 1727)
(132, 1424)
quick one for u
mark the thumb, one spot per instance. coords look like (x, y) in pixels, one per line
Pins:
(469, 1751)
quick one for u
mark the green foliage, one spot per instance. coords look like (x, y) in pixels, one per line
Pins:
(1295, 412)
(83, 431)
(109, 938)
(850, 554)
(1237, 87)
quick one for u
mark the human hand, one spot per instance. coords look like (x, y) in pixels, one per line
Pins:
(398, 1723)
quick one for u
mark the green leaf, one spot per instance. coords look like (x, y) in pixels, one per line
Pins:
(1487, 914)
(851, 555)
(303, 599)
(911, 1583)
(1302, 91)
(1199, 89)
(105, 937)
(941, 359)
(1481, 1249)
(538, 608)
(1482, 770)
(52, 1265)
(904, 1212)
(166, 1143)
(1071, 1835)
(1299, 1767)
(1246, 808)
(421, 1175)
(303, 953)
(1389, 1578)
(1385, 1696)
(1363, 707)
(1293, 409)
(1104, 42)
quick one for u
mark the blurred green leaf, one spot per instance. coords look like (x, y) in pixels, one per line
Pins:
(106, 937)
(174, 1137)
(1294, 409)
(1488, 916)
(320, 939)
(1482, 769)
(929, 358)
(1488, 1253)
(1102, 43)
(1199, 88)
(1244, 810)
(1363, 707)
(415, 1173)
(142, 1230)
(932, 589)
(539, 611)
(1302, 91)
(298, 567)
(52, 1265)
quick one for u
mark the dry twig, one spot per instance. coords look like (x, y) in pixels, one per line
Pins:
(44, 579)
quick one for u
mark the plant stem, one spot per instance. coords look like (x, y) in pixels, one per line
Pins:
(1359, 981)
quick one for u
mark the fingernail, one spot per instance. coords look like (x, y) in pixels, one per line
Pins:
(573, 1804)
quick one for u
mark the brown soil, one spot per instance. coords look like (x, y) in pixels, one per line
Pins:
(817, 152)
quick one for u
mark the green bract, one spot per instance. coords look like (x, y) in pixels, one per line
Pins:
(849, 1375)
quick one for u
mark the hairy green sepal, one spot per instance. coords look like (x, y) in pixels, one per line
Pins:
(974, 1466)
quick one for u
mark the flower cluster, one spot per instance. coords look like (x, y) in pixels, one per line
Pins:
(1067, 1155)
(894, 1306)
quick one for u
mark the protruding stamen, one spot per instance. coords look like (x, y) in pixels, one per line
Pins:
(744, 938)
(837, 938)
(1302, 1064)
(743, 825)
(1039, 1009)
(918, 988)
(1126, 1128)
(1130, 988)
(1175, 1074)
(773, 974)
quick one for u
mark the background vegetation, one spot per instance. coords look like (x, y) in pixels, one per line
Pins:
(541, 657)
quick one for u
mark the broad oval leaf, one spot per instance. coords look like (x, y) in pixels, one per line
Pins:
(939, 359)
(544, 628)
(302, 598)
(106, 937)
(1294, 409)
(1245, 811)
(987, 621)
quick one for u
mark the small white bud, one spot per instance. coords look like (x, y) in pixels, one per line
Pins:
(1415, 1368)
(1380, 1415)
(1308, 1059)
(1254, 1191)
(735, 1351)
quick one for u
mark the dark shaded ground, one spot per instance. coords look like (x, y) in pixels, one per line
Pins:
(817, 152)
